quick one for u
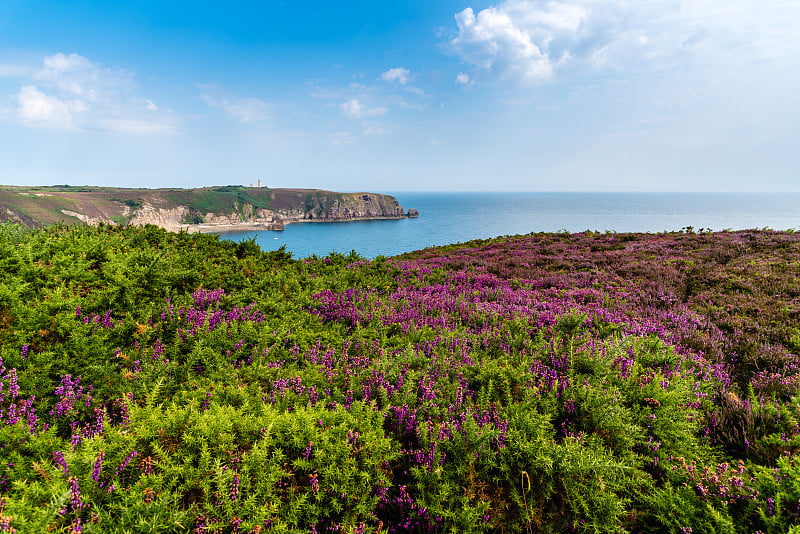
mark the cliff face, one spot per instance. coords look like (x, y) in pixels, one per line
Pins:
(326, 206)
(166, 217)
(194, 210)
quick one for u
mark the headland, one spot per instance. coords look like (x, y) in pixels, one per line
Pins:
(206, 209)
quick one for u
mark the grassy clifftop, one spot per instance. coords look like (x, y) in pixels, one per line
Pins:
(173, 208)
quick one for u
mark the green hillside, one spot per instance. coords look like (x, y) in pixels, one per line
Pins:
(42, 206)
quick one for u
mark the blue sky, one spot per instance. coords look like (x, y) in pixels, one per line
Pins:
(561, 95)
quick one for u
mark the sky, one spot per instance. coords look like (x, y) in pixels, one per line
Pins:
(409, 95)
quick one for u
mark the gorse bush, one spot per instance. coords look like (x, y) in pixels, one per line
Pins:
(159, 382)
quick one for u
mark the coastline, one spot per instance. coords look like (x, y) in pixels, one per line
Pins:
(211, 228)
(198, 210)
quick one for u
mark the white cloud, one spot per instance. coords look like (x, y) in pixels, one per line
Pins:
(462, 78)
(74, 74)
(355, 110)
(532, 41)
(146, 103)
(72, 92)
(38, 108)
(242, 109)
(368, 101)
(397, 74)
(59, 63)
(516, 39)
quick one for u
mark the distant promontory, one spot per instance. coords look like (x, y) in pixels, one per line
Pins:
(206, 209)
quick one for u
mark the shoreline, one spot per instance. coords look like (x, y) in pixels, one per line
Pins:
(210, 228)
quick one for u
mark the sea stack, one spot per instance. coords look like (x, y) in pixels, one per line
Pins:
(412, 213)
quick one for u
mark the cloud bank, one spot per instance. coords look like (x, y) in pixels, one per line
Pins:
(70, 92)
(518, 39)
(532, 42)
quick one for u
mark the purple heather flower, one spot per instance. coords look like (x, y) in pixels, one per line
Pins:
(234, 489)
(58, 460)
(98, 468)
(75, 494)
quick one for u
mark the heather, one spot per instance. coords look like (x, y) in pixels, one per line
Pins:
(161, 382)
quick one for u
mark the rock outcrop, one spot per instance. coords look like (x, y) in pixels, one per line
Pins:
(9, 215)
(168, 218)
(94, 221)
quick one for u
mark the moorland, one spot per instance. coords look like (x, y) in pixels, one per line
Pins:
(592, 382)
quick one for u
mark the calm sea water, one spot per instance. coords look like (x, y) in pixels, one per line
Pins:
(455, 217)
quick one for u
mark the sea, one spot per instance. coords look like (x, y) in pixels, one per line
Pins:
(447, 218)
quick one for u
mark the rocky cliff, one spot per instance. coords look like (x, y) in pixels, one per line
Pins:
(214, 209)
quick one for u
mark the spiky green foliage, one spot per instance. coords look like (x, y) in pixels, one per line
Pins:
(158, 382)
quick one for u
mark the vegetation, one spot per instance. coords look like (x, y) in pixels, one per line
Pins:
(224, 199)
(43, 206)
(161, 382)
(133, 203)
